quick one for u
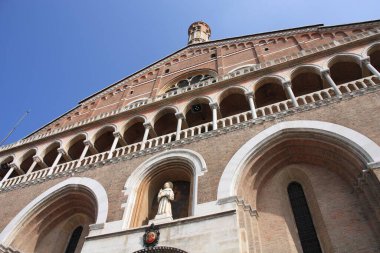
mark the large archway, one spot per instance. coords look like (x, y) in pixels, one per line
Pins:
(325, 160)
(48, 222)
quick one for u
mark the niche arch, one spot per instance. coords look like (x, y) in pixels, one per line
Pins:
(95, 210)
(192, 166)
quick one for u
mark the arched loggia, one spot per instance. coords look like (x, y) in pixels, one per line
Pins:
(306, 80)
(269, 91)
(198, 112)
(344, 68)
(233, 101)
(165, 121)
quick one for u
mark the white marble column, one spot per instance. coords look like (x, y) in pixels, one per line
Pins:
(58, 158)
(214, 107)
(34, 164)
(288, 87)
(117, 136)
(250, 97)
(148, 127)
(366, 62)
(180, 117)
(330, 81)
(85, 150)
(7, 175)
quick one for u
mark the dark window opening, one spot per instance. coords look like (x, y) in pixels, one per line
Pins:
(131, 92)
(74, 239)
(213, 55)
(303, 219)
(167, 71)
(183, 83)
(266, 49)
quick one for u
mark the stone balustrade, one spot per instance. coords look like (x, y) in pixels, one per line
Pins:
(270, 112)
(237, 73)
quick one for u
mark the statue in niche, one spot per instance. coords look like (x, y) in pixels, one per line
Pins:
(164, 198)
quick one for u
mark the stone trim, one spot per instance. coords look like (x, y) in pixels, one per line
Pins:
(231, 176)
(197, 163)
(92, 185)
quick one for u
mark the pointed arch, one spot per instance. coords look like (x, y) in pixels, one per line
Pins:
(367, 150)
(95, 189)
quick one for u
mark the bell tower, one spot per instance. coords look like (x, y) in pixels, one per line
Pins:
(199, 32)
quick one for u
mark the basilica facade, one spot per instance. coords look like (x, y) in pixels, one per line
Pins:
(258, 144)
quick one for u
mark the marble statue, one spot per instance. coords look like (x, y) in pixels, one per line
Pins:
(165, 196)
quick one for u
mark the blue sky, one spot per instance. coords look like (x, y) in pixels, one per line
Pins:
(55, 53)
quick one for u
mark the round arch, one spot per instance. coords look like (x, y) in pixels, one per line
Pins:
(374, 46)
(368, 150)
(346, 57)
(305, 68)
(230, 90)
(202, 99)
(186, 75)
(77, 137)
(163, 111)
(103, 130)
(93, 186)
(267, 79)
(132, 185)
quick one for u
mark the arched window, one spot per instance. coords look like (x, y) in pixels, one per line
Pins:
(74, 239)
(303, 219)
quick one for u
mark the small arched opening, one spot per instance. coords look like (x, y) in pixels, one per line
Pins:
(345, 69)
(104, 139)
(165, 121)
(51, 154)
(76, 147)
(269, 91)
(306, 80)
(5, 167)
(134, 131)
(27, 161)
(198, 112)
(374, 54)
(233, 101)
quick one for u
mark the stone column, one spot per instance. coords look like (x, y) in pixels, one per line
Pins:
(214, 107)
(31, 168)
(85, 150)
(59, 156)
(250, 97)
(7, 175)
(36, 160)
(288, 87)
(117, 136)
(180, 117)
(148, 127)
(327, 77)
(366, 62)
